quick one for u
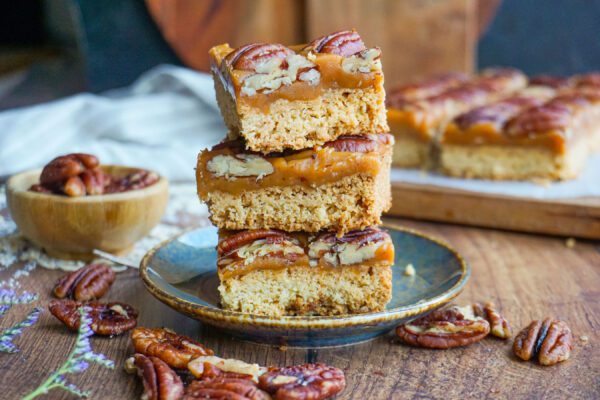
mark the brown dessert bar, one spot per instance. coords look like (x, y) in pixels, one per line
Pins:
(340, 186)
(296, 97)
(275, 273)
(525, 138)
(416, 116)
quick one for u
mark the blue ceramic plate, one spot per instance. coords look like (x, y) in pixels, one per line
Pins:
(181, 273)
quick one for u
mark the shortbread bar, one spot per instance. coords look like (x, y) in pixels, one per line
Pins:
(340, 186)
(275, 273)
(417, 114)
(279, 97)
(524, 138)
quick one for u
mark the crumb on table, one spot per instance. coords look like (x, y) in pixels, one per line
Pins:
(570, 242)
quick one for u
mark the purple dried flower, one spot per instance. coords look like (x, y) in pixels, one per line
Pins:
(8, 335)
(9, 296)
(78, 361)
(4, 309)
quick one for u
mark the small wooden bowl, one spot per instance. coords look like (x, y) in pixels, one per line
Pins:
(72, 227)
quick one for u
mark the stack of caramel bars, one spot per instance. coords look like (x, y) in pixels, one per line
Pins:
(497, 125)
(298, 187)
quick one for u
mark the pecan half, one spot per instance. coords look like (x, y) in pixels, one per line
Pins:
(496, 113)
(202, 366)
(108, 319)
(72, 174)
(353, 144)
(74, 187)
(400, 95)
(342, 43)
(176, 350)
(308, 381)
(446, 328)
(88, 283)
(134, 181)
(499, 326)
(241, 238)
(548, 117)
(591, 79)
(94, 181)
(225, 388)
(552, 81)
(248, 57)
(550, 341)
(361, 237)
(217, 384)
(64, 167)
(160, 381)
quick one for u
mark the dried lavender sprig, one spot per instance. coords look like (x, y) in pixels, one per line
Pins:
(4, 309)
(78, 361)
(9, 297)
(8, 335)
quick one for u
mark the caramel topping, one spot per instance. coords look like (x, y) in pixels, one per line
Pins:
(371, 247)
(427, 116)
(319, 70)
(335, 160)
(525, 121)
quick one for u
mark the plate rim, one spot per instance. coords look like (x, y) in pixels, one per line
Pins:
(218, 315)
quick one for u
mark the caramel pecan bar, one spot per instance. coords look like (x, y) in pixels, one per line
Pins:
(275, 273)
(526, 136)
(278, 97)
(418, 113)
(339, 186)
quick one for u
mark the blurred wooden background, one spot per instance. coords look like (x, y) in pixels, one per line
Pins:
(419, 37)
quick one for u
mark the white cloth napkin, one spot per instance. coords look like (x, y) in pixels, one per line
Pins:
(161, 123)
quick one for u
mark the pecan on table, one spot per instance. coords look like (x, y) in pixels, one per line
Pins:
(550, 341)
(499, 326)
(202, 366)
(217, 384)
(108, 319)
(445, 328)
(303, 382)
(160, 381)
(88, 283)
(176, 350)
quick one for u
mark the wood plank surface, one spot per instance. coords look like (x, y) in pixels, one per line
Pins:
(528, 276)
(578, 217)
(419, 38)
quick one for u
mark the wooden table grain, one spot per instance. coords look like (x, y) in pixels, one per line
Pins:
(528, 276)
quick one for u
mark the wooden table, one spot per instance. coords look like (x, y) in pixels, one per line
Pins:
(527, 276)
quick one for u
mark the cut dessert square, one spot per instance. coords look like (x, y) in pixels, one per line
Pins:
(524, 138)
(418, 113)
(340, 186)
(279, 97)
(275, 273)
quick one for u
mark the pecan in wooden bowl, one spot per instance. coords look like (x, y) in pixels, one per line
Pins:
(75, 205)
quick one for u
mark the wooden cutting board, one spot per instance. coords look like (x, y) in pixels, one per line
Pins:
(577, 217)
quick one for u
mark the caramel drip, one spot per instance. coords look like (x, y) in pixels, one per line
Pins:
(307, 168)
